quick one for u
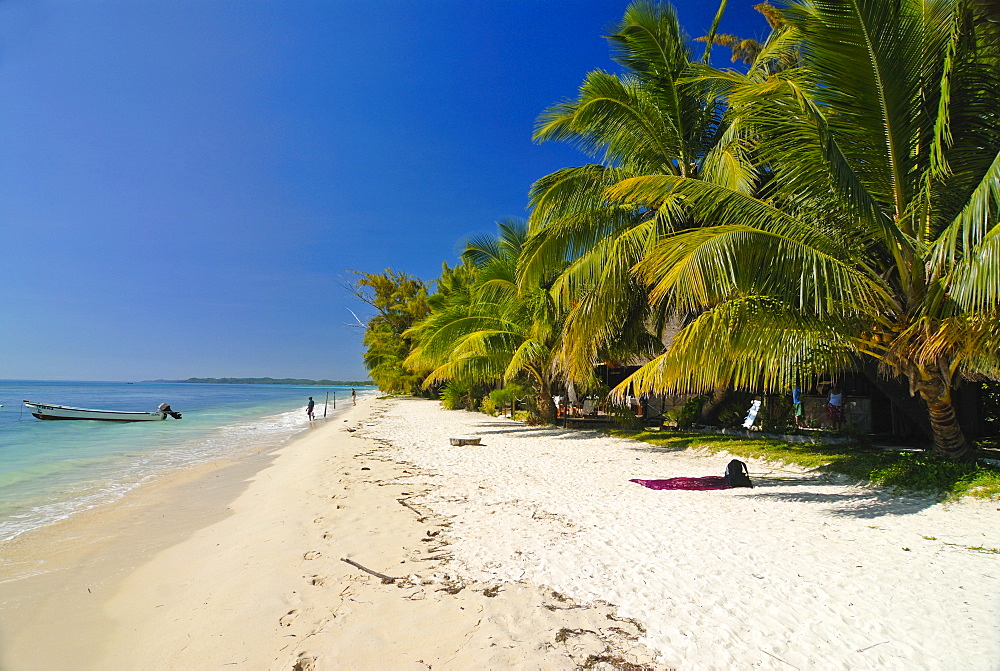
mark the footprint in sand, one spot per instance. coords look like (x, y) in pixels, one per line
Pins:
(288, 618)
(327, 535)
(317, 580)
(305, 662)
(312, 554)
(318, 520)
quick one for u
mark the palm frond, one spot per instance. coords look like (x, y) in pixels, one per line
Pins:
(866, 62)
(753, 343)
(531, 355)
(618, 118)
(572, 190)
(966, 256)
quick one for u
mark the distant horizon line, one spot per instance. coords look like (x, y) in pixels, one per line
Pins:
(208, 380)
(270, 380)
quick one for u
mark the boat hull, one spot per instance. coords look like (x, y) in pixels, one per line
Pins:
(62, 412)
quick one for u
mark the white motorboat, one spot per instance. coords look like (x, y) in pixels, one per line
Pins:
(46, 411)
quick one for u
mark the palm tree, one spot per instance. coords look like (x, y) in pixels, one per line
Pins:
(643, 122)
(489, 328)
(876, 231)
(637, 123)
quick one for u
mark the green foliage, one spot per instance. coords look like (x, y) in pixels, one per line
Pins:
(488, 406)
(734, 409)
(501, 398)
(484, 326)
(928, 472)
(624, 417)
(505, 398)
(838, 201)
(915, 472)
(640, 122)
(461, 395)
(523, 416)
(454, 395)
(399, 301)
(985, 550)
(687, 414)
(990, 404)
(877, 230)
(776, 415)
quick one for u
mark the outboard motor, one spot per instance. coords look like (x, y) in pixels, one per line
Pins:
(167, 410)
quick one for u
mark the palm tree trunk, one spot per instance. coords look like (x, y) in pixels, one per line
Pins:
(711, 406)
(546, 406)
(949, 441)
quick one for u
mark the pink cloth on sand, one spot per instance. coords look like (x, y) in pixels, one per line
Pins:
(699, 484)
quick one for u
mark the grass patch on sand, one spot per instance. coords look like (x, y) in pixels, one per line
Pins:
(918, 472)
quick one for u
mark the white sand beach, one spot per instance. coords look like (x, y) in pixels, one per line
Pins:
(530, 551)
(802, 570)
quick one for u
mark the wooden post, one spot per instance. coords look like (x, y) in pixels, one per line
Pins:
(326, 403)
(334, 400)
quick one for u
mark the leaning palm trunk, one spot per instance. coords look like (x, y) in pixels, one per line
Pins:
(949, 441)
(711, 406)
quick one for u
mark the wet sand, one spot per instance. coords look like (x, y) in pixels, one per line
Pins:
(532, 550)
(240, 564)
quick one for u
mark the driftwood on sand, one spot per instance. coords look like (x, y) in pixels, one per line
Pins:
(383, 576)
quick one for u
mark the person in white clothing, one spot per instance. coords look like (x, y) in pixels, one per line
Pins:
(835, 407)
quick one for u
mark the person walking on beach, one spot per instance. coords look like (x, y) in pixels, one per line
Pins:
(354, 397)
(309, 408)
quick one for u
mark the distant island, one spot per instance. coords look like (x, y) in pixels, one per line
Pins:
(271, 380)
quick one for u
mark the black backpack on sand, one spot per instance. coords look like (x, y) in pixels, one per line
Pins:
(737, 474)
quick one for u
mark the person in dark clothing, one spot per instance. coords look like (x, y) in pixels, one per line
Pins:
(309, 408)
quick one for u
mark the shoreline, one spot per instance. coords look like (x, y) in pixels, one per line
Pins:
(57, 471)
(76, 562)
(531, 550)
(251, 574)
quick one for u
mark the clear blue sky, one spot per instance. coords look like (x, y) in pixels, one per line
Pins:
(185, 184)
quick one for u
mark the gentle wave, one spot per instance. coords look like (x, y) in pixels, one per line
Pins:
(52, 470)
(130, 470)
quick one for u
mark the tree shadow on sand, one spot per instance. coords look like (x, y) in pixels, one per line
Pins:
(851, 498)
(551, 431)
(678, 445)
(865, 504)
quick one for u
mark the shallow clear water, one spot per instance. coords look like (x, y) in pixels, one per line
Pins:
(51, 469)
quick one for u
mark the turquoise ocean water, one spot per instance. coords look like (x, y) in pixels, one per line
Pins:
(51, 469)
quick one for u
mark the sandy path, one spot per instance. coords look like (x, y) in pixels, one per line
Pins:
(804, 571)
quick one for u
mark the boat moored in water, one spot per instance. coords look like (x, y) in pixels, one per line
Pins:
(46, 411)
